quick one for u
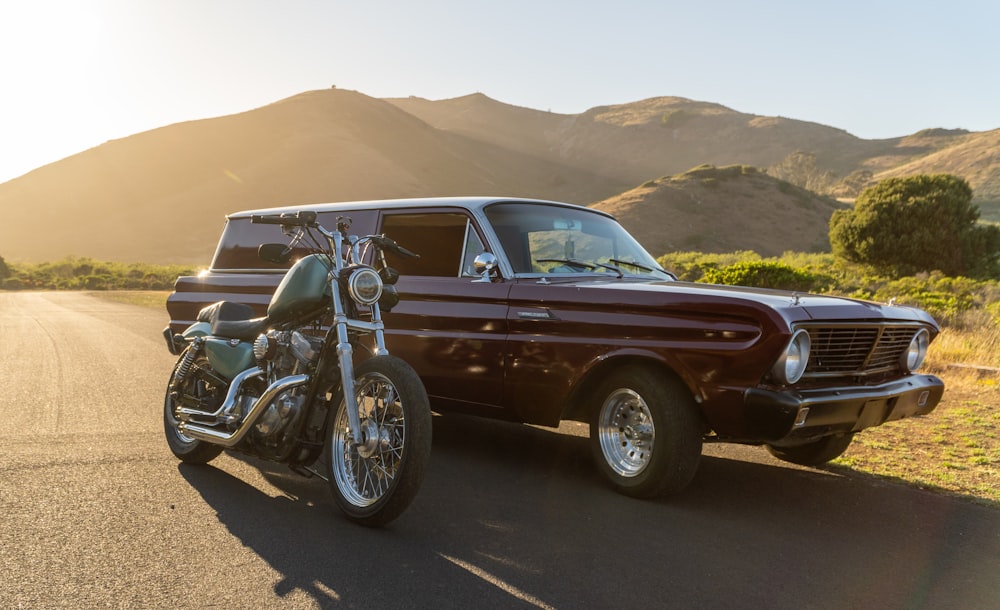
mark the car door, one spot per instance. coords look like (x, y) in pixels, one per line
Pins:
(449, 325)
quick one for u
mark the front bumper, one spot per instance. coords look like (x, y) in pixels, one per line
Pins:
(801, 415)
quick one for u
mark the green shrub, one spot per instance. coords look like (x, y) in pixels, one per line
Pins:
(917, 223)
(768, 274)
(691, 266)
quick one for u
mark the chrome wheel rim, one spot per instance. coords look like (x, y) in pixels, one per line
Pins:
(625, 431)
(366, 470)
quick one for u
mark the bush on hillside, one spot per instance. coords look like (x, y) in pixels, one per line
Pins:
(902, 226)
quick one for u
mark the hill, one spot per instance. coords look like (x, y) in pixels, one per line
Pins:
(161, 195)
(640, 140)
(723, 209)
(659, 136)
(973, 156)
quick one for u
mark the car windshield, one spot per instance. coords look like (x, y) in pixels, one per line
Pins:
(542, 238)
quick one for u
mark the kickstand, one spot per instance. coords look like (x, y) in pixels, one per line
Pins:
(307, 471)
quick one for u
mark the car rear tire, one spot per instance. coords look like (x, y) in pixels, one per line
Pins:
(814, 453)
(645, 433)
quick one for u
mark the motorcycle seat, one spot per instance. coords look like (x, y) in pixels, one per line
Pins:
(244, 330)
(225, 310)
(232, 320)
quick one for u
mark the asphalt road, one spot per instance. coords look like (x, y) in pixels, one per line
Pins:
(96, 512)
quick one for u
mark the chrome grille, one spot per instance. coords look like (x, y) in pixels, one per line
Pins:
(856, 350)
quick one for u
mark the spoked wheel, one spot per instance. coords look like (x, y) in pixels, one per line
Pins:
(645, 433)
(185, 448)
(375, 479)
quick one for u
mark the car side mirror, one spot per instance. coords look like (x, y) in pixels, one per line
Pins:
(484, 266)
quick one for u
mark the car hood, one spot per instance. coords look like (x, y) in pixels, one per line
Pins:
(793, 306)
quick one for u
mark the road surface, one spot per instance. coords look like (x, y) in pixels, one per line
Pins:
(97, 512)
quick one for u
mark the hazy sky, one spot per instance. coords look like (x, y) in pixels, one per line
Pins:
(76, 73)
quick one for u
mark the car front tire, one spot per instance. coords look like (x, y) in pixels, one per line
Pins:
(645, 433)
(814, 453)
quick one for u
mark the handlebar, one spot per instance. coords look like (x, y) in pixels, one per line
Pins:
(299, 219)
(307, 219)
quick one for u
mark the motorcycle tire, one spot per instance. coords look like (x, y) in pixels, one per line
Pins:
(374, 481)
(188, 450)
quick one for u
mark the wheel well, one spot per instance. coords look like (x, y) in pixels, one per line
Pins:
(580, 400)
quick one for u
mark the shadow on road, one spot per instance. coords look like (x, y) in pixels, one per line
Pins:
(514, 515)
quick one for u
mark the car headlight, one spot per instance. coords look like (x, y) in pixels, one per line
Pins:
(364, 285)
(793, 361)
(914, 356)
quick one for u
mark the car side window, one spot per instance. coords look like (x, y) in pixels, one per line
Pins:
(446, 242)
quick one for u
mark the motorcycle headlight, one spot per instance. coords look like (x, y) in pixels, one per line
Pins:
(793, 361)
(364, 285)
(914, 355)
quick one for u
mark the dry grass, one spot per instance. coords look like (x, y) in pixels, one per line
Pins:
(977, 345)
(956, 448)
(153, 299)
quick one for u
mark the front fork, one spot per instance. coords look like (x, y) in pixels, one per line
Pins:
(345, 356)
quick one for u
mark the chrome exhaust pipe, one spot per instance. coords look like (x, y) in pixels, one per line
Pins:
(184, 413)
(230, 439)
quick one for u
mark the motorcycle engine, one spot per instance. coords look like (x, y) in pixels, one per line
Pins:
(280, 354)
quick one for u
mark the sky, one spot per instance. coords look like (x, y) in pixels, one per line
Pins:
(77, 73)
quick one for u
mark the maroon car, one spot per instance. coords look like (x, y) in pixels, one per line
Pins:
(538, 312)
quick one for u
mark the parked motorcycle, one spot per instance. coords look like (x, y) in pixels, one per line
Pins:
(285, 387)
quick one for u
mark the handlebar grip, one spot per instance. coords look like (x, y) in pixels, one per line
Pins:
(406, 253)
(299, 219)
(387, 243)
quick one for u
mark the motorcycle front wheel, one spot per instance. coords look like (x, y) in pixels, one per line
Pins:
(374, 479)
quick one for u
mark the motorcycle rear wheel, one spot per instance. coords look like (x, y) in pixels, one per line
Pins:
(188, 450)
(375, 480)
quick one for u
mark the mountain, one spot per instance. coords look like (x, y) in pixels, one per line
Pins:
(162, 195)
(974, 156)
(667, 135)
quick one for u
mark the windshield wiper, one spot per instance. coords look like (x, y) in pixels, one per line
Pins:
(642, 267)
(567, 261)
(639, 266)
(572, 262)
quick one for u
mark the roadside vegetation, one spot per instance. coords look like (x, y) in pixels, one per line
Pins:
(72, 273)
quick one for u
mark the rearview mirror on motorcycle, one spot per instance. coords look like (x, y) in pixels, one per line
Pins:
(278, 254)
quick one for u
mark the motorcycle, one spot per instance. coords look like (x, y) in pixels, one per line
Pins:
(285, 387)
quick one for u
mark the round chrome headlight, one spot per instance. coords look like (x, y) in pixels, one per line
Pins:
(793, 361)
(914, 356)
(365, 285)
